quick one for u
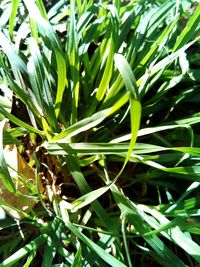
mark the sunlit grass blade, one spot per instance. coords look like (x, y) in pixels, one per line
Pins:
(44, 28)
(42, 8)
(166, 61)
(107, 72)
(12, 55)
(160, 41)
(61, 65)
(175, 234)
(126, 242)
(148, 131)
(19, 122)
(188, 191)
(92, 121)
(135, 113)
(135, 106)
(146, 29)
(41, 86)
(159, 14)
(91, 196)
(112, 261)
(15, 4)
(34, 31)
(85, 188)
(73, 57)
(127, 75)
(111, 148)
(83, 125)
(33, 245)
(46, 31)
(86, 148)
(78, 258)
(31, 257)
(165, 256)
(190, 172)
(85, 18)
(52, 243)
(189, 30)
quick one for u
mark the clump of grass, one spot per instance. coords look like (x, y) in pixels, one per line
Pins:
(96, 98)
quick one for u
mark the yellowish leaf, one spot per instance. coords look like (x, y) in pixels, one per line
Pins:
(23, 178)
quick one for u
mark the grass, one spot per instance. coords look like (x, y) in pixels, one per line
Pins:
(99, 139)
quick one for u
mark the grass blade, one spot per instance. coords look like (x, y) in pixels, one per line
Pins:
(90, 122)
(15, 4)
(107, 72)
(85, 188)
(135, 106)
(19, 122)
(14, 58)
(72, 50)
(112, 261)
(33, 245)
(129, 210)
(189, 30)
(175, 234)
(127, 75)
(61, 65)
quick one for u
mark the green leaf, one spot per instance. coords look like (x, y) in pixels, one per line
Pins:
(86, 148)
(152, 130)
(135, 106)
(92, 121)
(15, 4)
(107, 72)
(42, 9)
(73, 57)
(41, 85)
(189, 31)
(44, 27)
(14, 58)
(61, 65)
(164, 255)
(90, 197)
(127, 75)
(52, 243)
(112, 261)
(19, 122)
(80, 180)
(176, 235)
(135, 111)
(159, 41)
(166, 61)
(78, 258)
(33, 245)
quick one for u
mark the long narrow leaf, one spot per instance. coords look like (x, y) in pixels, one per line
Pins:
(127, 75)
(107, 72)
(130, 211)
(61, 65)
(33, 245)
(15, 4)
(112, 261)
(11, 53)
(189, 30)
(72, 50)
(19, 122)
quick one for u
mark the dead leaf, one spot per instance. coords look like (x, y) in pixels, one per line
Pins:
(22, 175)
